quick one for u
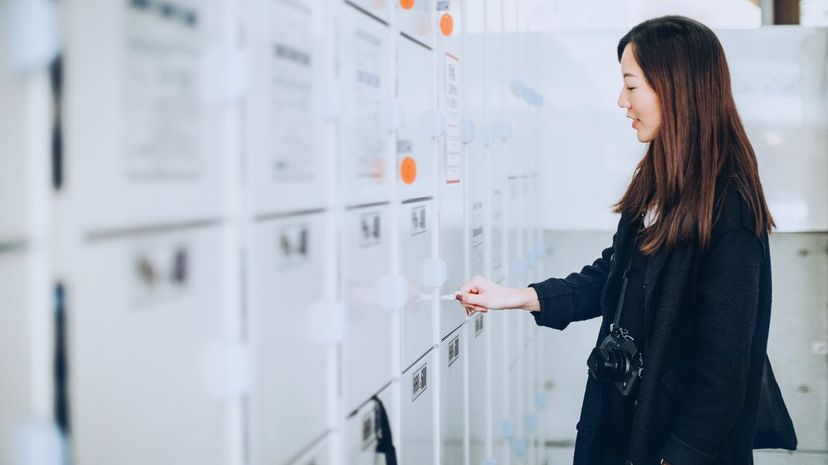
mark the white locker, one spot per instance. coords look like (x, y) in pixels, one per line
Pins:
(147, 365)
(25, 132)
(503, 426)
(416, 146)
(366, 251)
(320, 454)
(516, 267)
(289, 402)
(475, 140)
(369, 117)
(25, 355)
(519, 442)
(142, 116)
(453, 221)
(418, 394)
(287, 151)
(479, 390)
(415, 238)
(363, 429)
(453, 396)
(415, 18)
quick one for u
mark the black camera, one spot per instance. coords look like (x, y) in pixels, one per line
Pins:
(617, 360)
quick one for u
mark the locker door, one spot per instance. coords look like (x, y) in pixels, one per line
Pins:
(364, 60)
(286, 137)
(363, 427)
(415, 142)
(367, 363)
(378, 8)
(320, 454)
(503, 425)
(453, 396)
(453, 244)
(147, 319)
(416, 232)
(142, 121)
(519, 442)
(289, 403)
(516, 278)
(418, 394)
(415, 18)
(479, 389)
(25, 357)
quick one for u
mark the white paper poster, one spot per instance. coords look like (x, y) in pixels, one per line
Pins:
(453, 102)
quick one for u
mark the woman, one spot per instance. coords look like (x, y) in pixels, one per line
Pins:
(687, 276)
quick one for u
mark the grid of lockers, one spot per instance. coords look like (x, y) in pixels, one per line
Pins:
(227, 226)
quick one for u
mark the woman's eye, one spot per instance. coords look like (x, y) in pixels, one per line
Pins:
(630, 88)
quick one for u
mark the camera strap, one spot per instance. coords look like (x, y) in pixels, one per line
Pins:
(620, 308)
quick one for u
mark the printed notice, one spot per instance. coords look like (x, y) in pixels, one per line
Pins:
(291, 70)
(162, 64)
(453, 99)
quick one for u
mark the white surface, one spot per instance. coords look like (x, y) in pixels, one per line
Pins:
(287, 268)
(285, 130)
(366, 142)
(416, 234)
(479, 393)
(360, 430)
(417, 441)
(143, 143)
(418, 22)
(415, 87)
(453, 360)
(139, 350)
(321, 454)
(366, 243)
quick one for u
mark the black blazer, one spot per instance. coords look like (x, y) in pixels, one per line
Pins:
(707, 316)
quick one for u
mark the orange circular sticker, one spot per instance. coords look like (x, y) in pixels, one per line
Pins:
(407, 4)
(408, 170)
(446, 24)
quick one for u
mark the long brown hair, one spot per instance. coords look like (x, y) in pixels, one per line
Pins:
(701, 145)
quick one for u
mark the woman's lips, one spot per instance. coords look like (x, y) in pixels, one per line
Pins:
(634, 123)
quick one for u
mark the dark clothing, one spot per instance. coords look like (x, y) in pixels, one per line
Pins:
(616, 425)
(706, 320)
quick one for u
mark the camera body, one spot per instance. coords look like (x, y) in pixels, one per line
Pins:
(617, 360)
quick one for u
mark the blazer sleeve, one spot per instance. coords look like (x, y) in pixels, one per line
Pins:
(728, 299)
(574, 298)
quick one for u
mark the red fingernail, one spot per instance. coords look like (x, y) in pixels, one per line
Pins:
(458, 297)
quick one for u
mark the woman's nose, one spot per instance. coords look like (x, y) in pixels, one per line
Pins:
(622, 101)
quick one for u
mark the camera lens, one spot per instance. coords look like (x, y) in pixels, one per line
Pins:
(607, 364)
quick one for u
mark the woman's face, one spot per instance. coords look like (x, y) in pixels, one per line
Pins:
(639, 99)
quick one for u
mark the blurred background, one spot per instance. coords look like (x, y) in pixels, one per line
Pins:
(231, 230)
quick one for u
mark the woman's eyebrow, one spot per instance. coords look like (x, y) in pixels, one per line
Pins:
(630, 75)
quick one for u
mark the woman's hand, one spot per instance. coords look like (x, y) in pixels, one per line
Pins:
(479, 295)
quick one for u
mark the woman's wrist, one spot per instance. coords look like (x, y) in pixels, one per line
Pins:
(527, 299)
